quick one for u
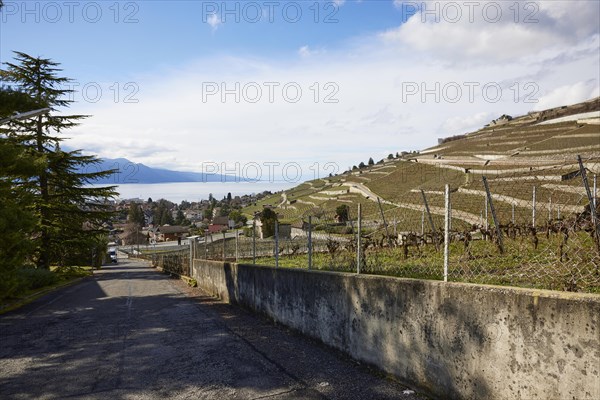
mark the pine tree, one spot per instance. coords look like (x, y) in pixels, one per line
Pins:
(16, 219)
(342, 212)
(371, 162)
(162, 212)
(136, 215)
(69, 214)
(268, 218)
(181, 220)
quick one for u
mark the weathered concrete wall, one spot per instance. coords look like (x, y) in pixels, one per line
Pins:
(451, 340)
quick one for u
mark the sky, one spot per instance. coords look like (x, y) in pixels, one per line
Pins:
(296, 90)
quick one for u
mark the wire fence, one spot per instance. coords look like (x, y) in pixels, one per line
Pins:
(537, 227)
(173, 261)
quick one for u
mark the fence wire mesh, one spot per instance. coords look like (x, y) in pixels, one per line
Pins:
(534, 226)
(173, 261)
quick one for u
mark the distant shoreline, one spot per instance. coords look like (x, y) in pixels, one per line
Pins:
(196, 191)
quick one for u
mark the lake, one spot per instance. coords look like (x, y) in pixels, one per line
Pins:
(195, 191)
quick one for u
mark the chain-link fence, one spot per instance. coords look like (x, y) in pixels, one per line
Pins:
(172, 261)
(535, 226)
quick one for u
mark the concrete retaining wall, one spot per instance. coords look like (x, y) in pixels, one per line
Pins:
(451, 340)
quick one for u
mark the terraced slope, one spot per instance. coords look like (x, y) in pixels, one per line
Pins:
(515, 157)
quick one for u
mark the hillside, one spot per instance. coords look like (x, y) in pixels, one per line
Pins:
(538, 149)
(127, 172)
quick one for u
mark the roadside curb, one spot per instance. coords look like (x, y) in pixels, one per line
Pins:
(26, 300)
(187, 279)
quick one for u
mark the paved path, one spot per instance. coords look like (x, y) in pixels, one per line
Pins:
(132, 333)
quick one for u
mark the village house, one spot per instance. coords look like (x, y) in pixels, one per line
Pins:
(220, 224)
(167, 233)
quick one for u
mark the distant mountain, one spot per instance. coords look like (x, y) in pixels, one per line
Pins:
(130, 172)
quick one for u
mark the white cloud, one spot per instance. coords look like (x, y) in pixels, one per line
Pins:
(492, 31)
(306, 51)
(457, 125)
(173, 126)
(569, 94)
(214, 21)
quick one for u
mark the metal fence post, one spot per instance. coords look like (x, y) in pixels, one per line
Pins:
(447, 233)
(485, 211)
(223, 246)
(206, 244)
(191, 256)
(254, 242)
(433, 232)
(595, 192)
(513, 213)
(384, 222)
(493, 210)
(358, 239)
(450, 213)
(591, 200)
(237, 246)
(533, 208)
(309, 242)
(276, 244)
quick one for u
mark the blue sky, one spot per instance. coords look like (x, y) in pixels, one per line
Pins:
(374, 76)
(103, 39)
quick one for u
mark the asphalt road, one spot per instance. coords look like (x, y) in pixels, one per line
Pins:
(133, 333)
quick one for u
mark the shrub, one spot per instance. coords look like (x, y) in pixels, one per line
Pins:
(70, 272)
(9, 283)
(35, 278)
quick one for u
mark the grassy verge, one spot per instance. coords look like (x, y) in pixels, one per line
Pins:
(577, 270)
(37, 283)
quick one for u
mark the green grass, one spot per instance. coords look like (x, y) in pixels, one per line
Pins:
(521, 265)
(36, 282)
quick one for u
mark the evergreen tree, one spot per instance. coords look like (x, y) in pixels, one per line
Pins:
(268, 218)
(16, 219)
(162, 213)
(371, 162)
(237, 217)
(342, 212)
(136, 215)
(12, 101)
(68, 212)
(225, 210)
(181, 220)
